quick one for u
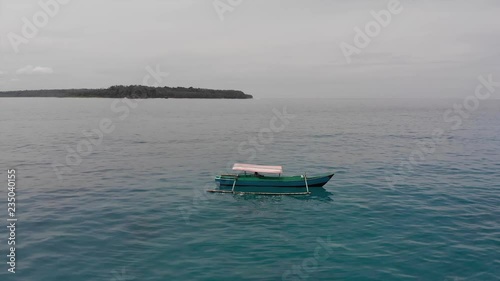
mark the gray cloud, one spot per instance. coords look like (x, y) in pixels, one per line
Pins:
(34, 70)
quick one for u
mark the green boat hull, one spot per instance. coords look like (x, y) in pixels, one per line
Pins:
(252, 183)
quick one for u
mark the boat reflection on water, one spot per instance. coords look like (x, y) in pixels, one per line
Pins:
(315, 193)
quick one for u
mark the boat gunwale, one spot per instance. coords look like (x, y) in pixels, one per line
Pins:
(250, 177)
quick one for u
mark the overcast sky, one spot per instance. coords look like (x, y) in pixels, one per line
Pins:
(266, 48)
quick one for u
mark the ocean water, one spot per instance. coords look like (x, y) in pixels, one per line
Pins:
(415, 194)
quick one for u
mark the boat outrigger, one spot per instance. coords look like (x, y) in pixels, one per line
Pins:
(251, 181)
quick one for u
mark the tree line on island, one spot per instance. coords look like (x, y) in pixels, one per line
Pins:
(133, 92)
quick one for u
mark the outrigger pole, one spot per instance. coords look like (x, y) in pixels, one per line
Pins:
(234, 183)
(258, 193)
(307, 186)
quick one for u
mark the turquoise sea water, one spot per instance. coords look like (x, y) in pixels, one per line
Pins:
(135, 208)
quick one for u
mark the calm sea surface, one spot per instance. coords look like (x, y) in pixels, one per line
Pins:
(415, 196)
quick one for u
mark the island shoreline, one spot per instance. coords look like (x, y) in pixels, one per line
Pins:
(130, 92)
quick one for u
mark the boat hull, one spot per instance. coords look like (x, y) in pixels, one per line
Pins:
(251, 183)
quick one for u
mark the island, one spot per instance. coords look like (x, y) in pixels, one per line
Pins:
(133, 92)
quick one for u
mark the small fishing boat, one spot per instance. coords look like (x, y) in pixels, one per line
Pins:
(253, 181)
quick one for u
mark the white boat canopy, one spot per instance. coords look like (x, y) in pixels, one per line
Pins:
(258, 168)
